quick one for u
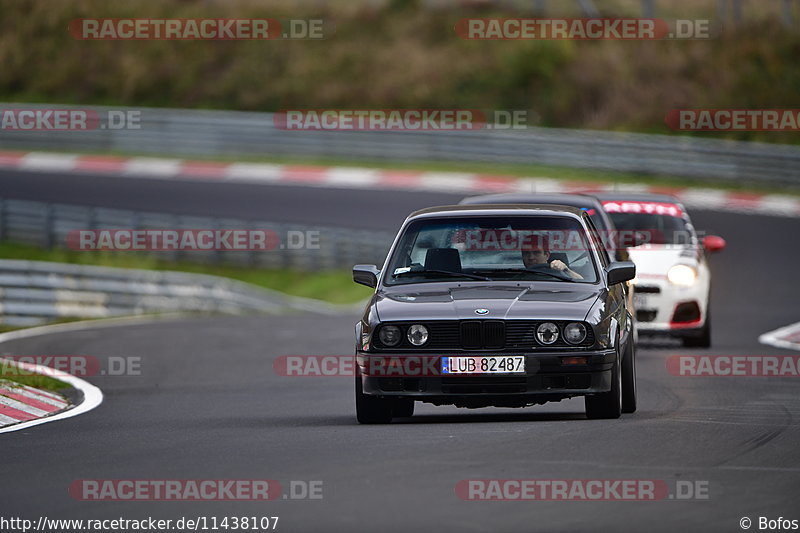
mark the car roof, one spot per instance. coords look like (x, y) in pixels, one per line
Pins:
(577, 200)
(498, 210)
(622, 196)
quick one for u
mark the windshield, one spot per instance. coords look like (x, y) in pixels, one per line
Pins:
(493, 248)
(655, 229)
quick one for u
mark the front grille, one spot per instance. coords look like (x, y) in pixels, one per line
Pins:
(483, 334)
(494, 335)
(471, 335)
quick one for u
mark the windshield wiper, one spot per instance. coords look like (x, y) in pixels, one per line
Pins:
(526, 271)
(444, 272)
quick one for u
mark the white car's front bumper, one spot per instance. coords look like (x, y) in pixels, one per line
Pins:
(662, 307)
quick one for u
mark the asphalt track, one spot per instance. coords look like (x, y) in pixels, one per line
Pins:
(208, 404)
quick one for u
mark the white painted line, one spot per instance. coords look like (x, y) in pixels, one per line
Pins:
(150, 166)
(256, 172)
(704, 198)
(46, 161)
(778, 336)
(779, 204)
(92, 396)
(352, 177)
(629, 187)
(446, 182)
(540, 185)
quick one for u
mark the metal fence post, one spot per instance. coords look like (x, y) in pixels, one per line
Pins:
(648, 9)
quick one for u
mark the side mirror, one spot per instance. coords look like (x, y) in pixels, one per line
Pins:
(620, 272)
(713, 243)
(366, 275)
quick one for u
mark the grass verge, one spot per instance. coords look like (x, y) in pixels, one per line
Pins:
(11, 372)
(334, 286)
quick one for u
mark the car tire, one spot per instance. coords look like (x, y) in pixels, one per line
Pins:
(703, 340)
(403, 408)
(629, 378)
(607, 404)
(371, 409)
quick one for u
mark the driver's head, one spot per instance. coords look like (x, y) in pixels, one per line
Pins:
(536, 251)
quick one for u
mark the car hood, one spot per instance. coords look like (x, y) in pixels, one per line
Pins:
(502, 301)
(657, 259)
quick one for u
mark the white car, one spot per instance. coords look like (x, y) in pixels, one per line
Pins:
(673, 280)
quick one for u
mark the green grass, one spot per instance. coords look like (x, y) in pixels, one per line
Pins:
(11, 372)
(399, 55)
(335, 286)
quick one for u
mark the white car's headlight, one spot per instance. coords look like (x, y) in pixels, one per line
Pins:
(682, 275)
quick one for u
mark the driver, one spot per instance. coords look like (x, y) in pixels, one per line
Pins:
(536, 253)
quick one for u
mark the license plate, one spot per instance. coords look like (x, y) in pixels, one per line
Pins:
(639, 301)
(489, 364)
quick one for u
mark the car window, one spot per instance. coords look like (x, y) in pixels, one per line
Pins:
(655, 229)
(492, 248)
(598, 242)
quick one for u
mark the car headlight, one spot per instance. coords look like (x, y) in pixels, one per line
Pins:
(389, 335)
(575, 333)
(682, 275)
(547, 333)
(417, 335)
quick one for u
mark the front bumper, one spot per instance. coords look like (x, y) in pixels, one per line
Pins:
(657, 302)
(546, 378)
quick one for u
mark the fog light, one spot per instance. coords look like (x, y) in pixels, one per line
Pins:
(574, 360)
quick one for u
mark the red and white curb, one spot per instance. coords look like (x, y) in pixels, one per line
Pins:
(377, 179)
(20, 403)
(787, 337)
(22, 407)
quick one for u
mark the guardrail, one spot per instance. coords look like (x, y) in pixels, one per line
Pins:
(235, 134)
(37, 292)
(47, 225)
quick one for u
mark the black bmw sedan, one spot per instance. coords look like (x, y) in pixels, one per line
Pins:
(495, 305)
